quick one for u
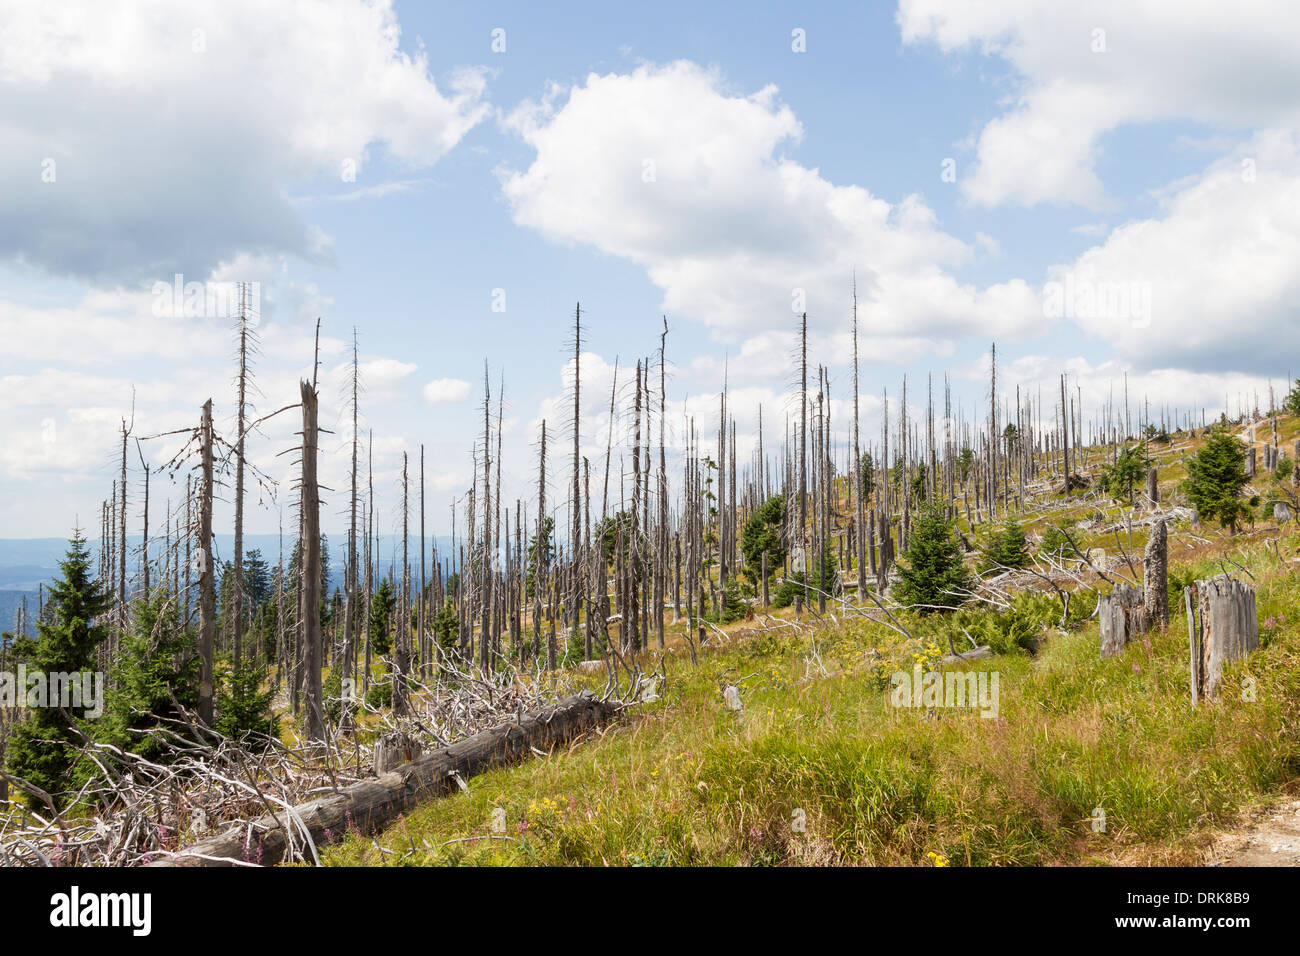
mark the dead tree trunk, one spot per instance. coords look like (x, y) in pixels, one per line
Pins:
(207, 582)
(803, 448)
(859, 511)
(421, 639)
(309, 585)
(661, 557)
(350, 578)
(1156, 567)
(1223, 626)
(122, 611)
(402, 630)
(540, 549)
(487, 563)
(1122, 618)
(237, 566)
(371, 804)
(1065, 437)
(144, 534)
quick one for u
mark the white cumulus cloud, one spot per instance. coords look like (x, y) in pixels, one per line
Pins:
(216, 106)
(445, 390)
(669, 168)
(1086, 69)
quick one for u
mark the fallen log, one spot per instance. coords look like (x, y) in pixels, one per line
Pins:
(975, 653)
(371, 804)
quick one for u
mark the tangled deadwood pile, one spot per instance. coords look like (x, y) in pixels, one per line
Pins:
(259, 801)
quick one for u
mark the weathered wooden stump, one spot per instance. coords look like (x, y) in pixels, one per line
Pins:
(1153, 489)
(1122, 616)
(1250, 462)
(1155, 564)
(1222, 626)
(393, 750)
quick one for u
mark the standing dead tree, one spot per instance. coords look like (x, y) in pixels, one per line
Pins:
(1156, 575)
(350, 596)
(859, 505)
(310, 571)
(246, 339)
(207, 577)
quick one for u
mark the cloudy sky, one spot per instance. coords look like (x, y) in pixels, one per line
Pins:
(1107, 188)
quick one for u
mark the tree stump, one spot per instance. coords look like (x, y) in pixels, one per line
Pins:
(1222, 626)
(393, 750)
(1153, 489)
(1250, 462)
(1122, 616)
(1155, 563)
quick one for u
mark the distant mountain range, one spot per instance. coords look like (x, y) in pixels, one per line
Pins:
(28, 563)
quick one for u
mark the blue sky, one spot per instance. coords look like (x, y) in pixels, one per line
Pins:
(1120, 146)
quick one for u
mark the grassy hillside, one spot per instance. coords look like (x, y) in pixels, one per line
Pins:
(685, 780)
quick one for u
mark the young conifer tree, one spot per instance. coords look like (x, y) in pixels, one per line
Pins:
(1215, 477)
(931, 574)
(43, 749)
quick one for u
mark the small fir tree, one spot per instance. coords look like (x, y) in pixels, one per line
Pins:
(931, 571)
(43, 749)
(1215, 477)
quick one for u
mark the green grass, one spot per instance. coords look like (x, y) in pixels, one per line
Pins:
(685, 781)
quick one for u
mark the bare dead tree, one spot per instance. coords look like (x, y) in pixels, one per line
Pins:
(122, 611)
(661, 557)
(540, 550)
(310, 571)
(488, 559)
(859, 513)
(237, 562)
(350, 582)
(207, 581)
